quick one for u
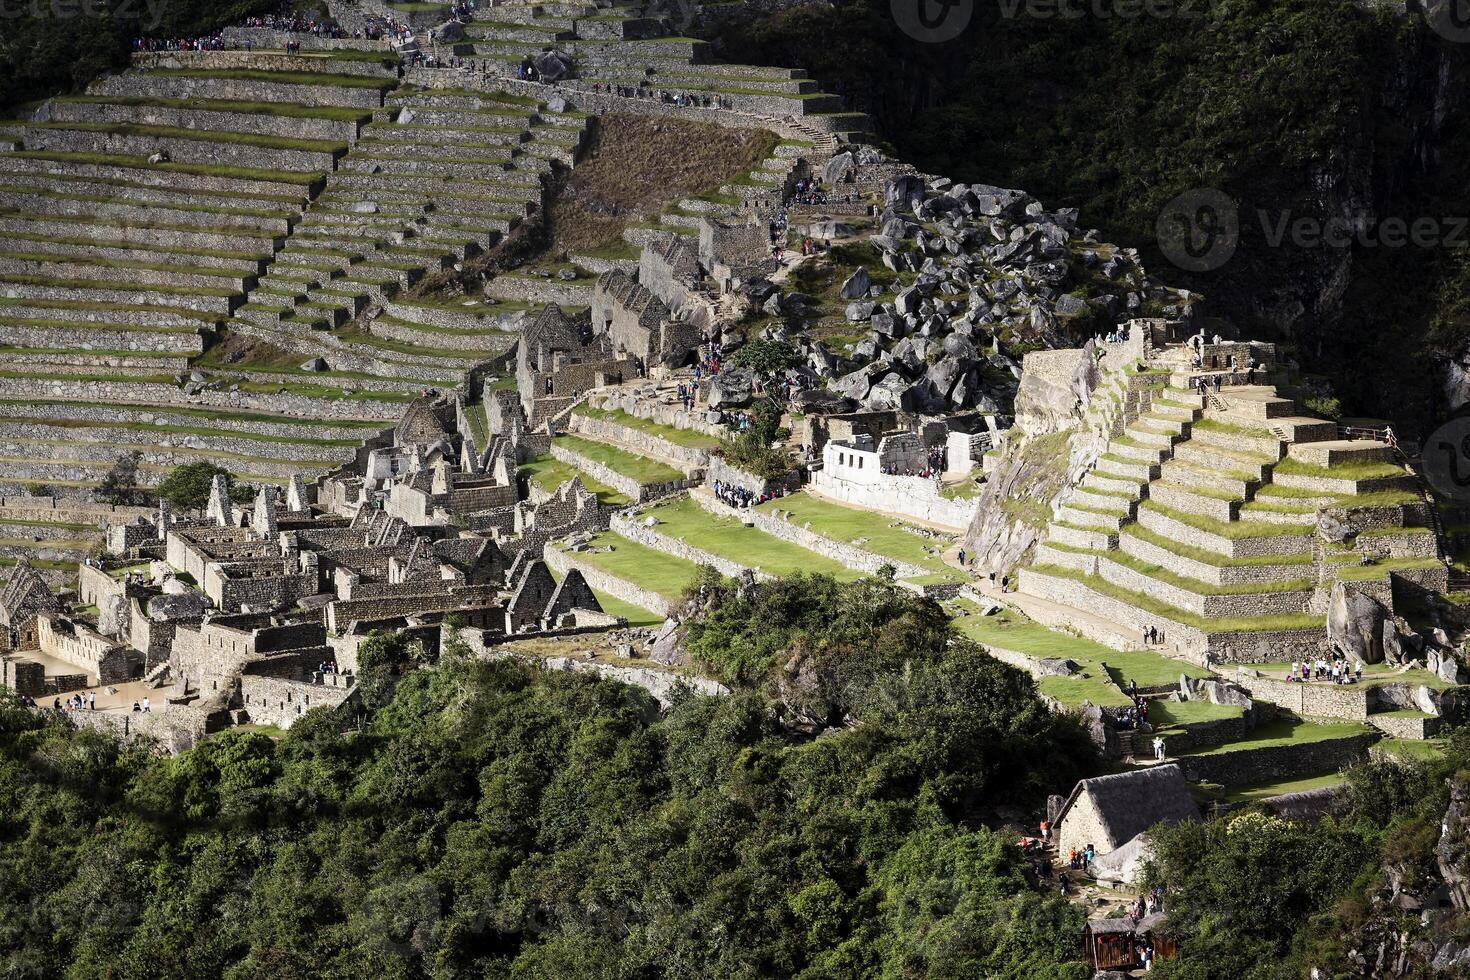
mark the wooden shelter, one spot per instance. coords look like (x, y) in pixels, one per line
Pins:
(1113, 944)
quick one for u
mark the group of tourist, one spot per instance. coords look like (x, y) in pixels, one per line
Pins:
(145, 707)
(741, 498)
(1134, 717)
(327, 667)
(214, 42)
(687, 392)
(1336, 670)
(809, 192)
(81, 701)
(292, 22)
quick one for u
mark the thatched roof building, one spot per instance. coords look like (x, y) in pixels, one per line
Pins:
(1109, 811)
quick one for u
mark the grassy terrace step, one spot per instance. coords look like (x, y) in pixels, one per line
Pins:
(126, 161)
(141, 191)
(220, 415)
(1232, 529)
(548, 473)
(729, 538)
(282, 77)
(54, 258)
(1195, 586)
(145, 206)
(649, 569)
(86, 425)
(80, 306)
(287, 109)
(95, 284)
(1283, 732)
(266, 238)
(1342, 471)
(645, 471)
(1247, 624)
(691, 438)
(880, 533)
(207, 136)
(1214, 558)
(6, 321)
(1106, 669)
(99, 243)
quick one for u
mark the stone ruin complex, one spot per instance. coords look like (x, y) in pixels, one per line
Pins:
(557, 454)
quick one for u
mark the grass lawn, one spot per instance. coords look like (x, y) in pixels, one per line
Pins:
(729, 538)
(1168, 713)
(679, 437)
(646, 471)
(1285, 732)
(1262, 791)
(635, 615)
(549, 473)
(1010, 630)
(1424, 750)
(883, 535)
(644, 567)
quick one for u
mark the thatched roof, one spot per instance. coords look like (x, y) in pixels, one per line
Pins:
(1129, 803)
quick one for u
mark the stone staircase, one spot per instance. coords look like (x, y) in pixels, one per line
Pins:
(1199, 517)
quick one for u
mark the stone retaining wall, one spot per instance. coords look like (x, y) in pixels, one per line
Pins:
(1211, 574)
(214, 120)
(223, 239)
(625, 485)
(1282, 762)
(561, 562)
(1248, 647)
(538, 291)
(156, 392)
(1288, 543)
(1334, 702)
(179, 149)
(725, 474)
(149, 85)
(911, 496)
(264, 37)
(451, 319)
(280, 702)
(266, 61)
(645, 443)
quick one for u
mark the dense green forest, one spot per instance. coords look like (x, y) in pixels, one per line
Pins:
(1297, 109)
(489, 819)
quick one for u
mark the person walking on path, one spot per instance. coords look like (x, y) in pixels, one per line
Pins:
(1158, 748)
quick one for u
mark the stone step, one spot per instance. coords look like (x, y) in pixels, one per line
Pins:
(1335, 452)
(1132, 469)
(1094, 539)
(1082, 517)
(1189, 500)
(1188, 474)
(1200, 453)
(1103, 483)
(1213, 572)
(1289, 542)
